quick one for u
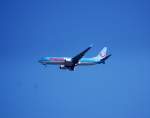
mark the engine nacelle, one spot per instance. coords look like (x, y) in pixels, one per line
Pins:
(63, 67)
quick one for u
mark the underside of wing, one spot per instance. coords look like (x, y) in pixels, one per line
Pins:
(76, 59)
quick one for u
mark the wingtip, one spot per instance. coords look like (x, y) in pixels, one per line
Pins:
(91, 45)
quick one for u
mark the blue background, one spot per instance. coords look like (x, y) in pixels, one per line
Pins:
(33, 29)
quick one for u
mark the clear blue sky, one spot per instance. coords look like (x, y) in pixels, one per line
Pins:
(30, 29)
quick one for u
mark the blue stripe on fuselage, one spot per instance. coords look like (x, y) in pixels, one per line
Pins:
(88, 60)
(51, 60)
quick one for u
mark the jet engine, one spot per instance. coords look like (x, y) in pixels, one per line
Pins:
(63, 67)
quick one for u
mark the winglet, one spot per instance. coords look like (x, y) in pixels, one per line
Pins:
(91, 45)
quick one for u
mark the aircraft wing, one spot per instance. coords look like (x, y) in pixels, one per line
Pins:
(76, 59)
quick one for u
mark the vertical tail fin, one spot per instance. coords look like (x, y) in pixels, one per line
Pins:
(102, 54)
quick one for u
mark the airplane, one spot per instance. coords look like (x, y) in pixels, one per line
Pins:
(70, 63)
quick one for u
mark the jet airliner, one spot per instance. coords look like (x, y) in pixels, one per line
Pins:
(70, 63)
